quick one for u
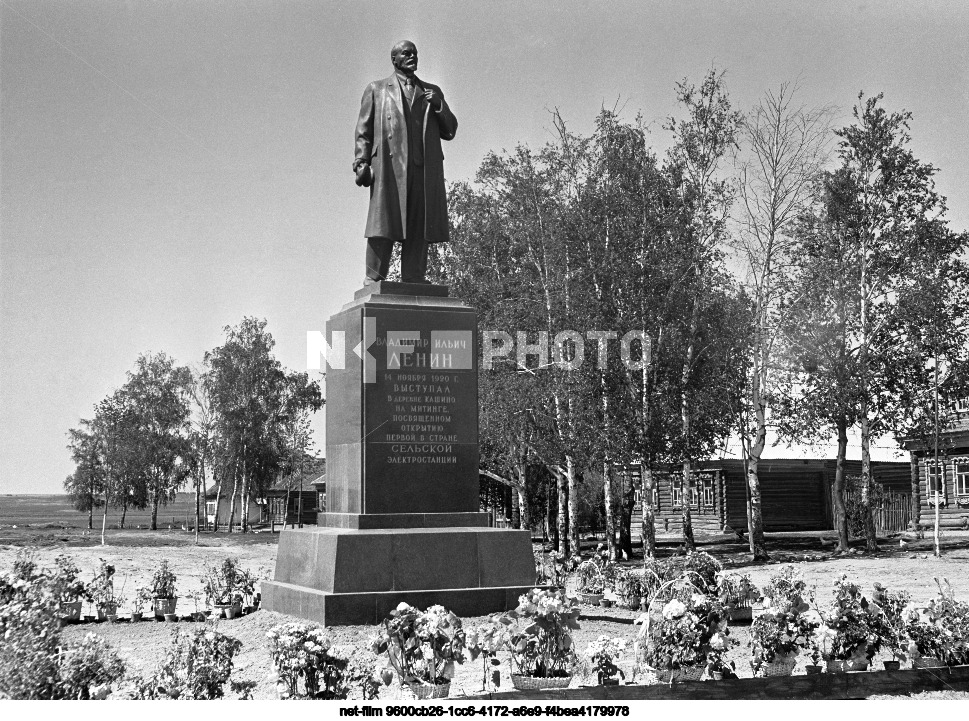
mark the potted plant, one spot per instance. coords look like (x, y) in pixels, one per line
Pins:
(675, 640)
(163, 591)
(223, 589)
(422, 647)
(101, 590)
(778, 636)
(939, 633)
(540, 639)
(68, 588)
(304, 664)
(591, 579)
(737, 593)
(196, 615)
(246, 585)
(814, 668)
(603, 654)
(891, 627)
(485, 641)
(631, 588)
(609, 598)
(851, 629)
(141, 599)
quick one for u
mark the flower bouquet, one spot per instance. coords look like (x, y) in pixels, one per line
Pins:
(675, 642)
(540, 640)
(422, 648)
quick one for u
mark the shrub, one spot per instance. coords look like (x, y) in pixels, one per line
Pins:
(65, 581)
(786, 587)
(34, 664)
(941, 629)
(785, 629)
(301, 653)
(891, 628)
(88, 668)
(603, 654)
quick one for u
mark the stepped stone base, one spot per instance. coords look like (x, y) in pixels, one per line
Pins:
(339, 576)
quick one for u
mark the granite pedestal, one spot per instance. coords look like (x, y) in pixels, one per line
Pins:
(402, 520)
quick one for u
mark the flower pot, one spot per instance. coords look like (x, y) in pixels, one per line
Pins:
(136, 616)
(112, 618)
(198, 617)
(230, 612)
(246, 610)
(633, 604)
(88, 619)
(71, 611)
(836, 665)
(716, 675)
(165, 606)
(609, 682)
(813, 669)
(426, 690)
(534, 683)
(740, 613)
(605, 602)
(892, 665)
(780, 666)
(927, 662)
(856, 664)
(688, 673)
(593, 599)
(171, 617)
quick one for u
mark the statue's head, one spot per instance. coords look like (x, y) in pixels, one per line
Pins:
(404, 57)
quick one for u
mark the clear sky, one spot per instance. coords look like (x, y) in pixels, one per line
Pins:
(169, 166)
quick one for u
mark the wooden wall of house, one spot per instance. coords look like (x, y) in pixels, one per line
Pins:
(707, 518)
(793, 495)
(954, 512)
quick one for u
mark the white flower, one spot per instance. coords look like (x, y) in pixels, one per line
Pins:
(673, 609)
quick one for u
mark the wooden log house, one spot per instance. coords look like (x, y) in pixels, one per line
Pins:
(796, 494)
(951, 477)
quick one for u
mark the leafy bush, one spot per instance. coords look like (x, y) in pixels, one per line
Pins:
(34, 663)
(785, 629)
(603, 654)
(891, 626)
(786, 587)
(88, 668)
(65, 580)
(941, 629)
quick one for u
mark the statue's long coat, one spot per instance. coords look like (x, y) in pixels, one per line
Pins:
(382, 141)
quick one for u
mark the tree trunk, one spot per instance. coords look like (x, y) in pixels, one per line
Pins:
(199, 485)
(649, 513)
(867, 487)
(154, 510)
(516, 520)
(626, 521)
(218, 501)
(124, 512)
(840, 514)
(232, 499)
(562, 515)
(755, 528)
(610, 522)
(573, 483)
(916, 514)
(524, 511)
(104, 517)
(685, 493)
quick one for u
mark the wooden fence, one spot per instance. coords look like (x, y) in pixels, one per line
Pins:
(891, 511)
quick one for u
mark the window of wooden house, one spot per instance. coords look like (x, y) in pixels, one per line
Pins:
(961, 405)
(694, 494)
(935, 482)
(962, 480)
(676, 486)
(706, 491)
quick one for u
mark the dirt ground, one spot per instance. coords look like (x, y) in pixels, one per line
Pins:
(135, 554)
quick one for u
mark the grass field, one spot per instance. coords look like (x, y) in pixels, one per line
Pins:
(56, 510)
